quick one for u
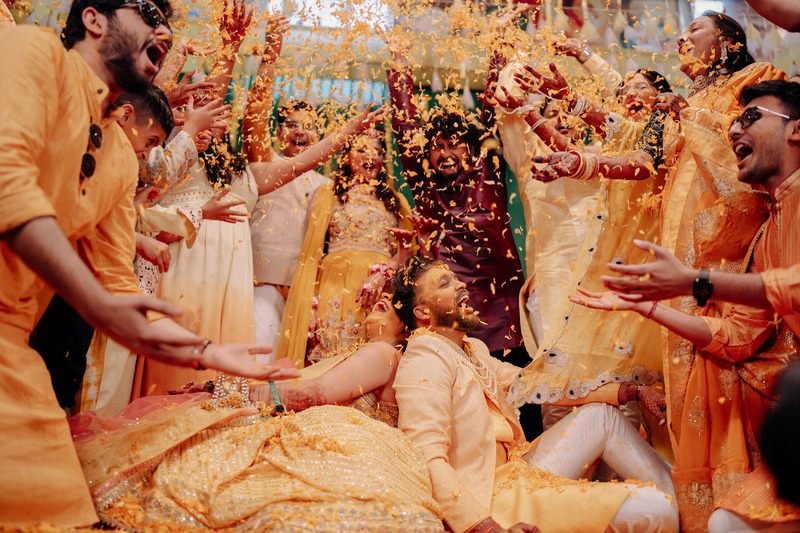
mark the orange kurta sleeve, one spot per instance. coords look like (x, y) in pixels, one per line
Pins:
(22, 136)
(783, 289)
(738, 335)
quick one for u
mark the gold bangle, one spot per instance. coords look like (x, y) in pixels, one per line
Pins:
(581, 166)
(590, 170)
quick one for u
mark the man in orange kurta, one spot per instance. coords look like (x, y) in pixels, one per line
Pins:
(57, 119)
(732, 382)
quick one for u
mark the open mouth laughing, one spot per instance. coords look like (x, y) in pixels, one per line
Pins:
(742, 151)
(156, 51)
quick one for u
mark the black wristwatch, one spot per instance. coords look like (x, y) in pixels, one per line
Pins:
(702, 289)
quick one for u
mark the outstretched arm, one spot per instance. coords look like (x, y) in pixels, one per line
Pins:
(370, 368)
(271, 175)
(665, 277)
(232, 28)
(784, 13)
(255, 127)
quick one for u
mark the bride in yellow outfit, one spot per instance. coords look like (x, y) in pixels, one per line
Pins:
(169, 463)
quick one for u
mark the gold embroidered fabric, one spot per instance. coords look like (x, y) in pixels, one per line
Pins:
(708, 221)
(328, 468)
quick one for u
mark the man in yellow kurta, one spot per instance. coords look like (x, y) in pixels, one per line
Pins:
(731, 384)
(451, 397)
(67, 181)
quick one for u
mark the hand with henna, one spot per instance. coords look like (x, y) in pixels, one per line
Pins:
(559, 164)
(555, 86)
(654, 401)
(234, 24)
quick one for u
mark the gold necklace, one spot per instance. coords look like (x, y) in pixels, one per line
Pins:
(483, 373)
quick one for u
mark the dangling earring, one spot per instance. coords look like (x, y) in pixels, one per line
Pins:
(723, 55)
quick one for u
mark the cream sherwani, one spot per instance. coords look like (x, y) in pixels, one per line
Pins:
(473, 445)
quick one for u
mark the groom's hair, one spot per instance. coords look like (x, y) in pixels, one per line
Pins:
(404, 288)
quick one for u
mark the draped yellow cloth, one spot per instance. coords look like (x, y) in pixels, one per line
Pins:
(708, 221)
(346, 269)
(583, 348)
(327, 468)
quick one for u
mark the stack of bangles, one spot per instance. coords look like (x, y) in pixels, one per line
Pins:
(588, 167)
(384, 269)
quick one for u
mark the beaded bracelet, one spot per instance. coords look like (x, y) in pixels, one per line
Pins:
(279, 407)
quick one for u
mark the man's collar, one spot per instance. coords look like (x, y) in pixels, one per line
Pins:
(787, 186)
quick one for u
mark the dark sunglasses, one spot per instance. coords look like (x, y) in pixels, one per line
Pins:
(752, 114)
(149, 13)
(88, 163)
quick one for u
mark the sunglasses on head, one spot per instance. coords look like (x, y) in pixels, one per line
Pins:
(149, 13)
(752, 114)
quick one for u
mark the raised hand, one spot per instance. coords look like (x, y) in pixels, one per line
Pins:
(399, 45)
(429, 234)
(662, 279)
(671, 103)
(505, 99)
(217, 209)
(502, 20)
(367, 119)
(234, 24)
(369, 292)
(559, 165)
(199, 119)
(203, 141)
(273, 40)
(192, 47)
(179, 95)
(570, 47)
(554, 86)
(403, 236)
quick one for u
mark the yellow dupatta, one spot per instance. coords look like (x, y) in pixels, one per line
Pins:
(708, 221)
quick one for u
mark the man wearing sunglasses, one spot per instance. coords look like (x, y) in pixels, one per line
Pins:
(67, 181)
(767, 164)
(743, 352)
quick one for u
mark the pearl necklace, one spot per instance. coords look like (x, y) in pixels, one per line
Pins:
(485, 376)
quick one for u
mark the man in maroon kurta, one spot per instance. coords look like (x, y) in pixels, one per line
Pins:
(456, 185)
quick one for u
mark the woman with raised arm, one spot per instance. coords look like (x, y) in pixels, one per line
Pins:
(571, 348)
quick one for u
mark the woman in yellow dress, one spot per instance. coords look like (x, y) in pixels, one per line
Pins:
(349, 251)
(183, 463)
(573, 356)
